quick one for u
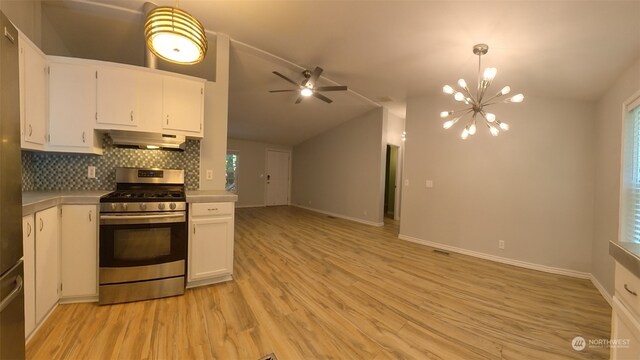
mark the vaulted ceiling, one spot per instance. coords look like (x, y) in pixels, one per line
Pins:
(386, 51)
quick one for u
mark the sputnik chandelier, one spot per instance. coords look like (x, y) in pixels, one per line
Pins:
(478, 103)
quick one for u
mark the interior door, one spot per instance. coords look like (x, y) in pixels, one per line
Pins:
(277, 178)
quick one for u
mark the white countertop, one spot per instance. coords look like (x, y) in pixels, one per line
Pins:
(34, 201)
(201, 196)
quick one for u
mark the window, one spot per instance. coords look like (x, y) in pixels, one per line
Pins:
(232, 172)
(630, 204)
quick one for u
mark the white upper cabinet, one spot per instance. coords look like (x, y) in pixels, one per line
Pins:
(183, 105)
(33, 95)
(149, 101)
(72, 107)
(116, 98)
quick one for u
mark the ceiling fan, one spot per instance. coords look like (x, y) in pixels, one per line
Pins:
(308, 86)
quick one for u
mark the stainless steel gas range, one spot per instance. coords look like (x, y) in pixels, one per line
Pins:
(143, 236)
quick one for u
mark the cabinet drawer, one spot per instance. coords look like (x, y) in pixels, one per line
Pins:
(626, 285)
(205, 209)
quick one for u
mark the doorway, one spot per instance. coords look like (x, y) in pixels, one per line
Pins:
(277, 179)
(391, 183)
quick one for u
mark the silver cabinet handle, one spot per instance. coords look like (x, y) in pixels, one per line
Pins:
(167, 119)
(214, 209)
(28, 229)
(630, 291)
(90, 216)
(41, 224)
(83, 137)
(131, 115)
(9, 36)
(12, 295)
(30, 130)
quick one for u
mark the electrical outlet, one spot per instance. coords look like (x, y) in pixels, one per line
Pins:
(209, 174)
(91, 172)
(500, 244)
(406, 182)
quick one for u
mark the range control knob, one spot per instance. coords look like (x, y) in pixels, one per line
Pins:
(172, 206)
(124, 206)
(161, 206)
(143, 206)
(114, 206)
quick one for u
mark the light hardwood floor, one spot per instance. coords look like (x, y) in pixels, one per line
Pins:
(308, 286)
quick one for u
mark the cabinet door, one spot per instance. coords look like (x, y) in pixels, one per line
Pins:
(149, 102)
(35, 95)
(47, 261)
(28, 236)
(79, 251)
(116, 97)
(210, 248)
(182, 104)
(72, 94)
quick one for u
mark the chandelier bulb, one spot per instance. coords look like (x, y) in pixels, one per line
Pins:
(462, 83)
(448, 89)
(494, 131)
(459, 96)
(490, 117)
(472, 129)
(516, 98)
(503, 126)
(465, 134)
(445, 114)
(489, 74)
(505, 90)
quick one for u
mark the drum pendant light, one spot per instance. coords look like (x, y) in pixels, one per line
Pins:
(175, 36)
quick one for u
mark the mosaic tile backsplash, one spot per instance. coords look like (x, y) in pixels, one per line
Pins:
(60, 171)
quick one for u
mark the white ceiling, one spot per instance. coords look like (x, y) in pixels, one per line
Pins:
(392, 50)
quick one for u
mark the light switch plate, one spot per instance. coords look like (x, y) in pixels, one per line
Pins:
(91, 172)
(428, 183)
(406, 182)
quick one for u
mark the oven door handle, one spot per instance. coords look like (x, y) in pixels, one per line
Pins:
(142, 219)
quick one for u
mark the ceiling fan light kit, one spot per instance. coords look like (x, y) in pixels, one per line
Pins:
(477, 103)
(308, 86)
(175, 36)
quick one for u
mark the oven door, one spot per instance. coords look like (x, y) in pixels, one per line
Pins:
(142, 239)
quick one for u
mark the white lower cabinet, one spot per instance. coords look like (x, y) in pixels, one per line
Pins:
(210, 243)
(79, 253)
(28, 244)
(625, 322)
(46, 261)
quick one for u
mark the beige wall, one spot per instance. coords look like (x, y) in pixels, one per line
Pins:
(608, 147)
(251, 170)
(341, 171)
(213, 147)
(26, 15)
(531, 187)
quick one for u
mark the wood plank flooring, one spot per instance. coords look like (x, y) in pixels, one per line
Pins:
(312, 287)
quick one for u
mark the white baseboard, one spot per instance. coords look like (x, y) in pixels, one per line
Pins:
(366, 222)
(215, 280)
(500, 259)
(601, 289)
(78, 299)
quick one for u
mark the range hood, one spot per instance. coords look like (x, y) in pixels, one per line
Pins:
(146, 140)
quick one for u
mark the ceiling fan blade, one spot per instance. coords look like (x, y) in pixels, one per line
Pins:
(314, 76)
(299, 99)
(276, 91)
(331, 88)
(286, 78)
(322, 97)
